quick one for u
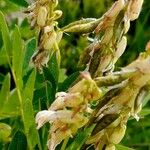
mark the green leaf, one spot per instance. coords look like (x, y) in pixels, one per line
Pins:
(67, 83)
(3, 57)
(20, 2)
(45, 89)
(25, 30)
(19, 142)
(29, 123)
(146, 99)
(18, 55)
(62, 75)
(11, 107)
(30, 48)
(50, 77)
(145, 112)
(8, 7)
(4, 93)
(43, 95)
(121, 147)
(28, 112)
(5, 35)
(29, 87)
(53, 68)
(81, 138)
(1, 78)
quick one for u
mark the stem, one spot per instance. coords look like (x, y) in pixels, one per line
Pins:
(63, 147)
(57, 50)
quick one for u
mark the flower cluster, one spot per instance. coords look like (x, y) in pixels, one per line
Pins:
(70, 111)
(42, 14)
(110, 41)
(112, 116)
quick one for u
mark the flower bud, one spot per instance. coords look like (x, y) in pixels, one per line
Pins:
(55, 2)
(126, 24)
(134, 9)
(69, 100)
(87, 88)
(115, 123)
(110, 16)
(82, 26)
(116, 8)
(57, 14)
(59, 36)
(121, 46)
(118, 134)
(79, 22)
(48, 29)
(43, 116)
(108, 35)
(42, 16)
(50, 40)
(67, 116)
(57, 137)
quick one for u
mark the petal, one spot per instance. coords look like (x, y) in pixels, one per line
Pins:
(43, 116)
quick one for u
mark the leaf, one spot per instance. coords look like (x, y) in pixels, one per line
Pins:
(28, 112)
(11, 106)
(53, 68)
(146, 99)
(81, 138)
(5, 34)
(4, 93)
(145, 112)
(45, 90)
(3, 57)
(29, 87)
(19, 142)
(121, 147)
(44, 95)
(62, 75)
(1, 78)
(20, 2)
(29, 123)
(8, 7)
(50, 76)
(30, 48)
(18, 54)
(67, 83)
(25, 30)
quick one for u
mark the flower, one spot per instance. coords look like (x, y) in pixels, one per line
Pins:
(43, 116)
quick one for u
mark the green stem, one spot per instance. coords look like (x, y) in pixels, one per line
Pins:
(57, 50)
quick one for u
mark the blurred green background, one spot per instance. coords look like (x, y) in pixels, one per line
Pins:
(138, 133)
